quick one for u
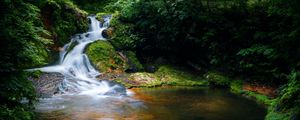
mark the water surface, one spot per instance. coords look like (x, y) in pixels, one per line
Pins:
(153, 103)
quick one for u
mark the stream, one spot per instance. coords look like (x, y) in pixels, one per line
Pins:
(82, 97)
(172, 103)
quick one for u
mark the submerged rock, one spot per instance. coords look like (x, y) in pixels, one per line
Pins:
(47, 84)
(116, 89)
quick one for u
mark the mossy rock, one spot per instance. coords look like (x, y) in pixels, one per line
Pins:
(101, 15)
(178, 76)
(217, 79)
(166, 75)
(34, 74)
(134, 64)
(145, 79)
(103, 55)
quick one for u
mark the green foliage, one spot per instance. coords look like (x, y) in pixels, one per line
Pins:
(259, 97)
(34, 74)
(124, 6)
(236, 86)
(101, 15)
(23, 46)
(93, 6)
(15, 88)
(254, 38)
(217, 79)
(286, 106)
(17, 113)
(63, 19)
(103, 55)
(291, 93)
(122, 35)
(273, 115)
(21, 33)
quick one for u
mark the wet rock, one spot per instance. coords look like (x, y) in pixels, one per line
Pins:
(116, 89)
(100, 16)
(108, 33)
(47, 84)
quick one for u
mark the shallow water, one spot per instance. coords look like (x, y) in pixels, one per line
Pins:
(153, 103)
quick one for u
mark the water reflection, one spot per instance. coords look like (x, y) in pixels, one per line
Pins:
(158, 103)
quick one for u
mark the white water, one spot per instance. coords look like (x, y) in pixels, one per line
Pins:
(80, 75)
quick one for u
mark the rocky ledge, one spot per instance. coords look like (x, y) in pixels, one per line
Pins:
(46, 84)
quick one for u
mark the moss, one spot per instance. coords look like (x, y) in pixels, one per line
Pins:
(259, 97)
(178, 76)
(101, 15)
(218, 79)
(133, 62)
(103, 55)
(34, 74)
(145, 79)
(167, 75)
(236, 86)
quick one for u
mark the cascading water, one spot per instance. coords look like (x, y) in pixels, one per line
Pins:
(80, 75)
(84, 98)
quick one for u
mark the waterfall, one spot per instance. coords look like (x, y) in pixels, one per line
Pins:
(80, 75)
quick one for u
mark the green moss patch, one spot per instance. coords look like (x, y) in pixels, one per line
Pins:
(178, 76)
(101, 15)
(166, 75)
(217, 79)
(133, 62)
(103, 55)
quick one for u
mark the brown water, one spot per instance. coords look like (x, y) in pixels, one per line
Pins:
(154, 103)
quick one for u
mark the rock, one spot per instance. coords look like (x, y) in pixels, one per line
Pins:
(150, 68)
(108, 33)
(117, 89)
(105, 58)
(47, 84)
(100, 16)
(113, 64)
(133, 62)
(144, 78)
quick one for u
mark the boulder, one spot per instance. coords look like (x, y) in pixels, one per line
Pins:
(108, 33)
(47, 84)
(105, 58)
